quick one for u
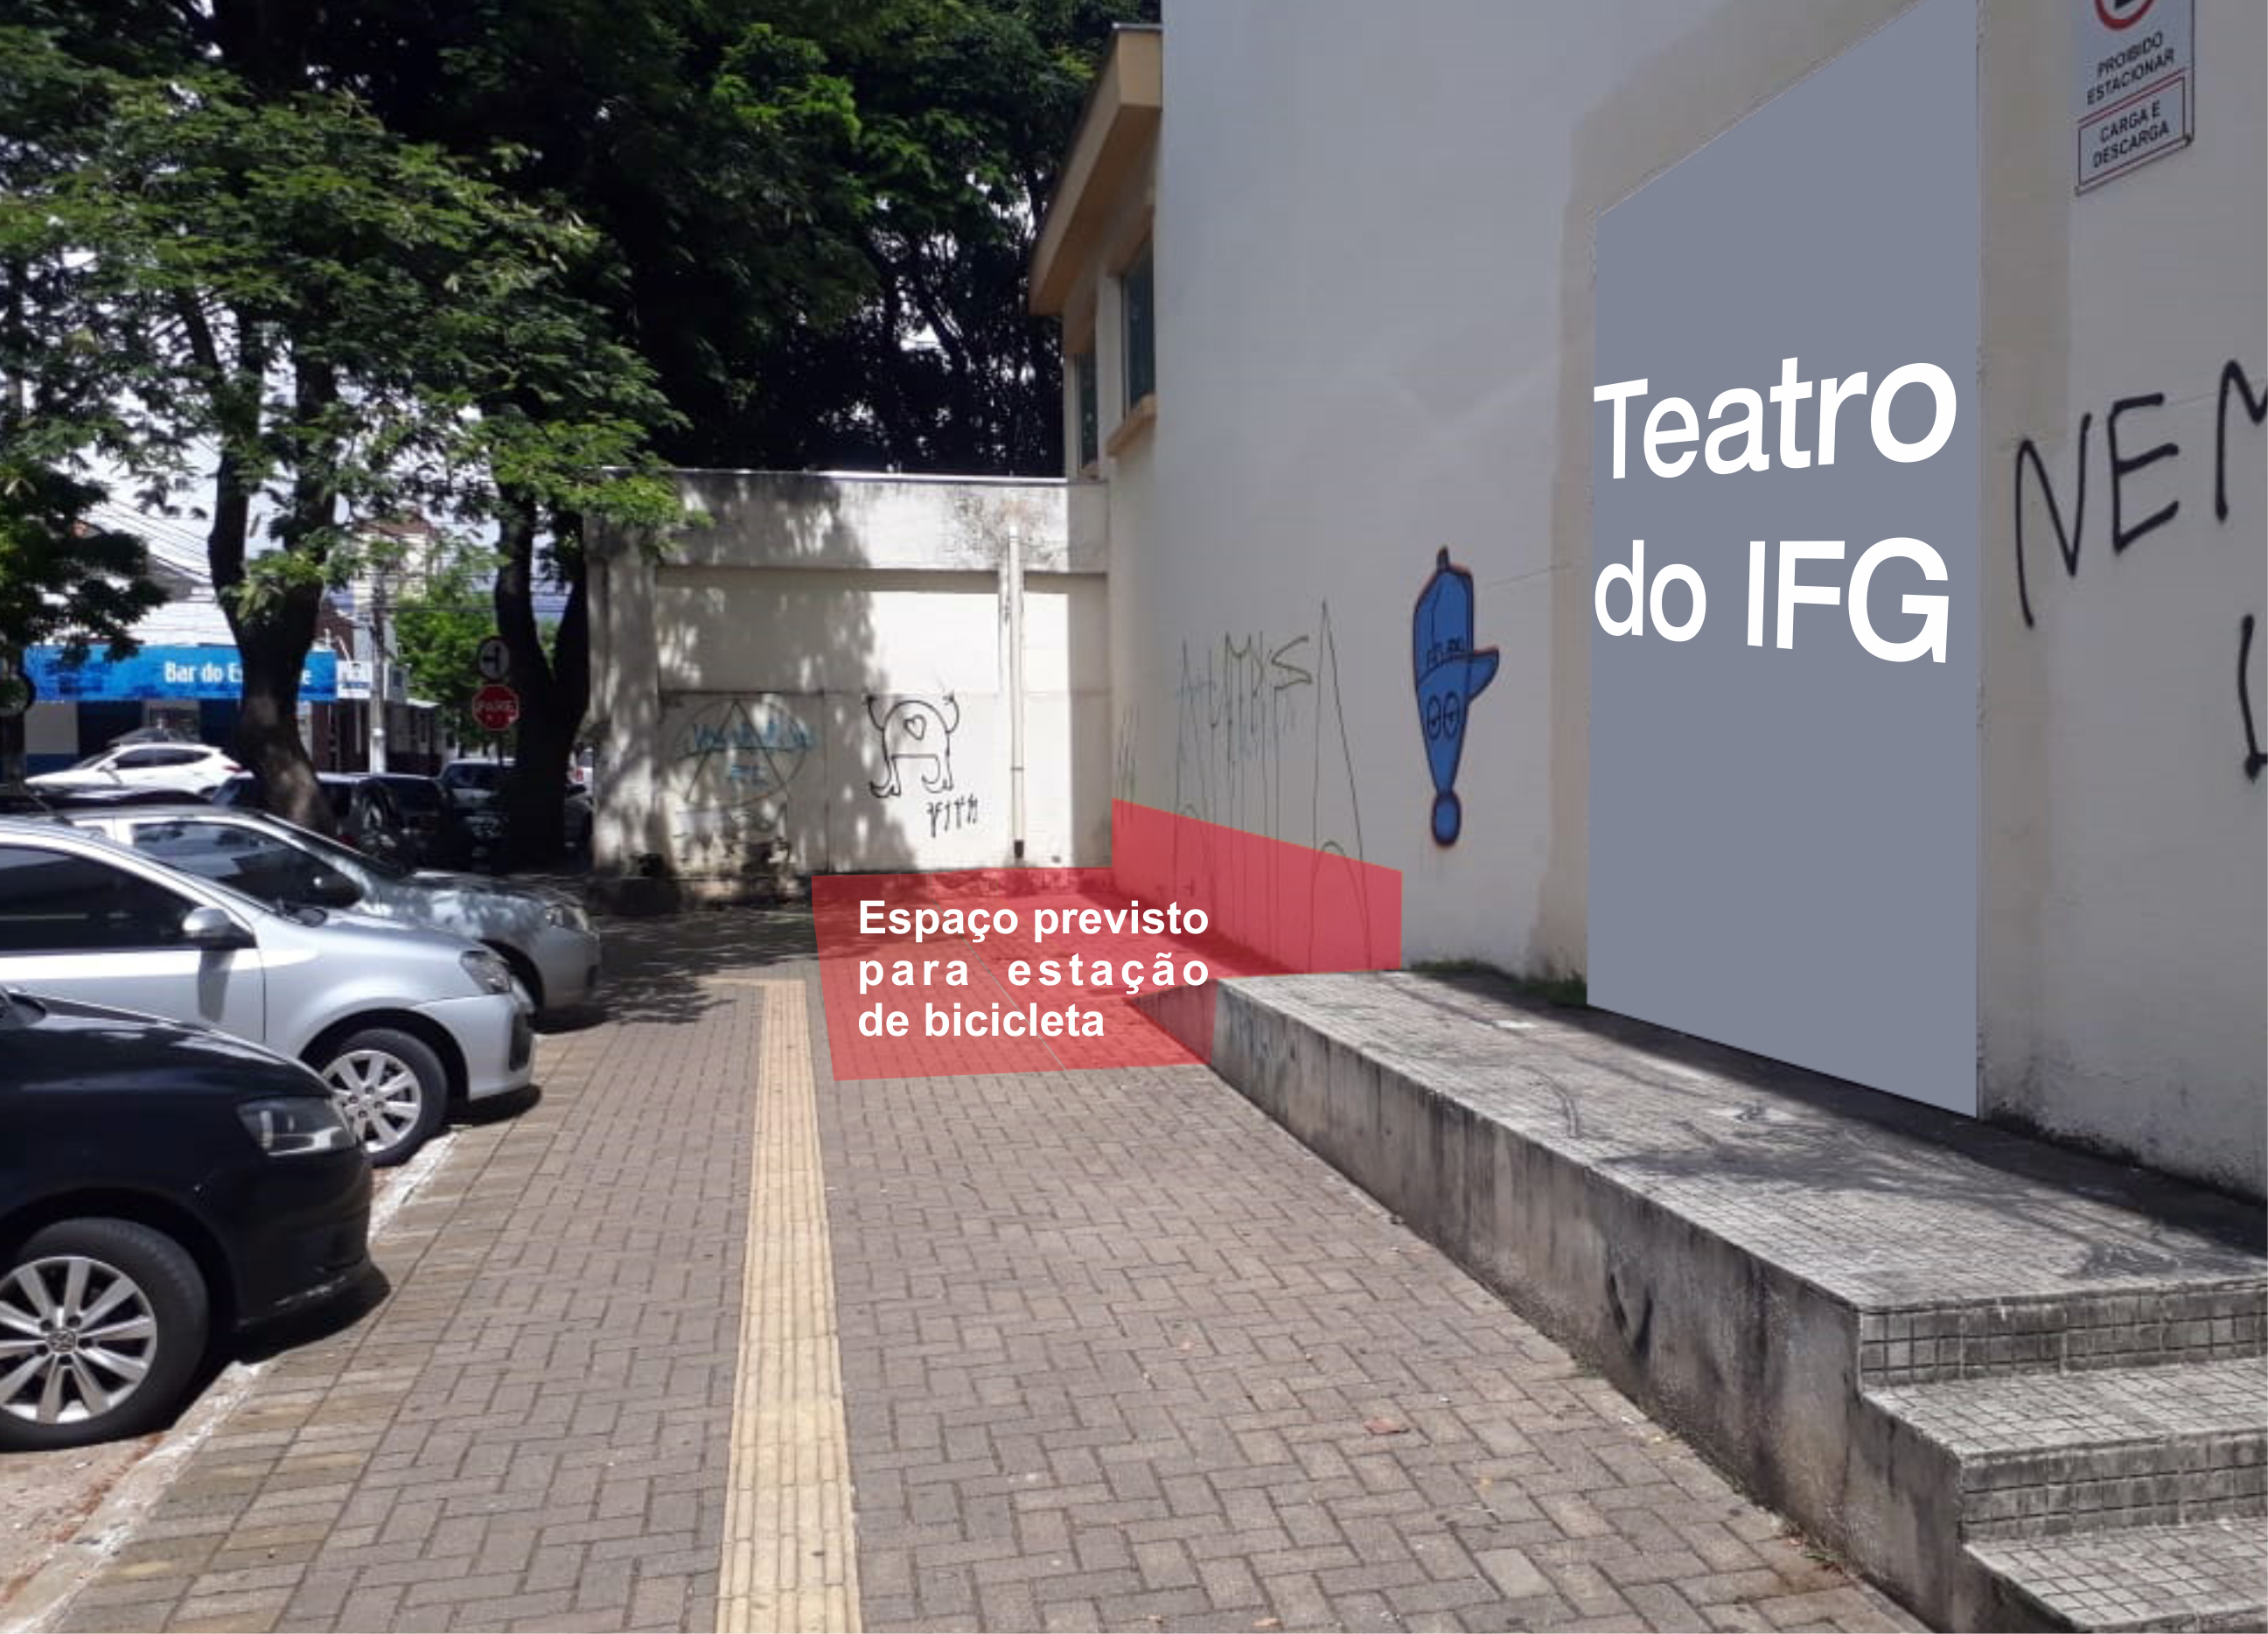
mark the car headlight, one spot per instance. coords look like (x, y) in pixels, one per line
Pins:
(490, 972)
(296, 1126)
(566, 915)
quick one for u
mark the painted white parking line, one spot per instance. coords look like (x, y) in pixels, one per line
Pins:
(70, 1565)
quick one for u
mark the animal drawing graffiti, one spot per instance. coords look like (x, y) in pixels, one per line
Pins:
(1449, 674)
(915, 733)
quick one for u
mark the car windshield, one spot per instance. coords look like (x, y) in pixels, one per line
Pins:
(236, 898)
(477, 774)
(345, 858)
(417, 793)
(94, 760)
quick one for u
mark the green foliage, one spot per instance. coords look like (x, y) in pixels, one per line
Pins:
(436, 632)
(273, 296)
(817, 214)
(965, 110)
(333, 309)
(60, 579)
(493, 264)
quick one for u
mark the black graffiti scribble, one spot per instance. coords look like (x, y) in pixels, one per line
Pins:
(2067, 543)
(948, 816)
(2121, 469)
(2254, 760)
(2256, 408)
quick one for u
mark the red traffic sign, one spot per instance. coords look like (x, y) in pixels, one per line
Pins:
(497, 707)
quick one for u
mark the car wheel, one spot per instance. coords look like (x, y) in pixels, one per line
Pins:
(102, 1325)
(391, 1089)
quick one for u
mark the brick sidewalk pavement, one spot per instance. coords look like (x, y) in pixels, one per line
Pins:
(1120, 1353)
(528, 1433)
(1116, 1351)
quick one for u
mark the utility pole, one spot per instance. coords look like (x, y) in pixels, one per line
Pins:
(19, 410)
(378, 667)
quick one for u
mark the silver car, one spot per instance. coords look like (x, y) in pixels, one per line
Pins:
(548, 940)
(399, 1021)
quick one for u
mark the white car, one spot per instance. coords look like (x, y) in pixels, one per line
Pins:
(193, 768)
(399, 1022)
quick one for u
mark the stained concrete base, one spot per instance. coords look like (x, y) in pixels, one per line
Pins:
(1805, 1275)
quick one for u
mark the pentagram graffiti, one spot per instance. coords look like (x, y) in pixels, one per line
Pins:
(733, 760)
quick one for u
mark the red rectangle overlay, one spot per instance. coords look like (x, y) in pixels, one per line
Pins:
(1013, 970)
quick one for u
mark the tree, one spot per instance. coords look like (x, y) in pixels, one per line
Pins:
(323, 319)
(61, 578)
(965, 110)
(817, 217)
(493, 258)
(715, 153)
(438, 631)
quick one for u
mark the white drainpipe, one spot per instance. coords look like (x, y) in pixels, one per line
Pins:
(1013, 591)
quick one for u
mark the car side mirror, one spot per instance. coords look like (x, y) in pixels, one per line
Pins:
(327, 888)
(214, 929)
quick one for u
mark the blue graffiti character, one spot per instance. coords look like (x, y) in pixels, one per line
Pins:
(1450, 674)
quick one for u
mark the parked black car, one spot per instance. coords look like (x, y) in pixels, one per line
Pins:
(423, 806)
(160, 1185)
(367, 814)
(478, 824)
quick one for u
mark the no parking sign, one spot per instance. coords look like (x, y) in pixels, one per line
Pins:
(2133, 85)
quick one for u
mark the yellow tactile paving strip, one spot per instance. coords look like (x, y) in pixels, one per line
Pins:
(790, 1560)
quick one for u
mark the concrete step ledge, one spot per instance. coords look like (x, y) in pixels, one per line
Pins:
(1717, 1232)
(2209, 1575)
(2044, 1453)
(2187, 1322)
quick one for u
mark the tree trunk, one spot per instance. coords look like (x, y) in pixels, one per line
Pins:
(273, 644)
(267, 741)
(553, 695)
(12, 749)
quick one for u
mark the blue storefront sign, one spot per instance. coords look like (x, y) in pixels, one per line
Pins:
(198, 672)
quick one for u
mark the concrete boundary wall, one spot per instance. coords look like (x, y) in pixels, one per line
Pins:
(836, 673)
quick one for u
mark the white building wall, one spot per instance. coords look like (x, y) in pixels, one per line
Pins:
(2123, 952)
(1374, 342)
(817, 680)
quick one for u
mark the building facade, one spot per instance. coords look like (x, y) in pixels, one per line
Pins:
(1334, 369)
(185, 677)
(852, 674)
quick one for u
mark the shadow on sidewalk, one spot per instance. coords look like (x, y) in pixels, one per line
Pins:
(654, 967)
(1829, 1143)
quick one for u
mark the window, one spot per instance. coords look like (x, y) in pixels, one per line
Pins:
(144, 759)
(1139, 298)
(1090, 427)
(57, 901)
(261, 865)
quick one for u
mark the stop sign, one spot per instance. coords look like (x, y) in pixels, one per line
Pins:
(496, 706)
